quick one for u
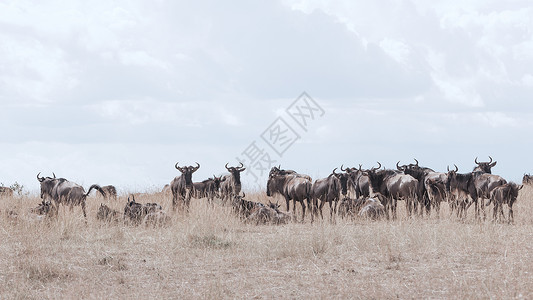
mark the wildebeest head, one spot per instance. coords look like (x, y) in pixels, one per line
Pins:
(343, 178)
(187, 173)
(217, 181)
(274, 171)
(484, 167)
(527, 179)
(47, 184)
(236, 172)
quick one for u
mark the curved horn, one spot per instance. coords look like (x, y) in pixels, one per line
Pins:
(227, 166)
(176, 165)
(334, 171)
(398, 166)
(360, 166)
(243, 194)
(379, 165)
(416, 161)
(456, 168)
(241, 165)
(475, 160)
(490, 159)
(344, 170)
(448, 168)
(40, 179)
(54, 175)
(197, 167)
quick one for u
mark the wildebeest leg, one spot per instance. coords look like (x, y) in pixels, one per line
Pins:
(303, 209)
(320, 209)
(83, 209)
(511, 215)
(309, 204)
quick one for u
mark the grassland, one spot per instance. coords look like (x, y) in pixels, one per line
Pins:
(211, 254)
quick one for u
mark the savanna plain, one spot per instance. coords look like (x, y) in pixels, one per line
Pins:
(210, 253)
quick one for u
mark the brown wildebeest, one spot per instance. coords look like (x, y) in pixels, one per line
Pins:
(329, 190)
(504, 194)
(244, 207)
(63, 191)
(393, 185)
(358, 182)
(182, 186)
(208, 188)
(156, 218)
(6, 192)
(296, 187)
(372, 209)
(107, 214)
(230, 185)
(484, 167)
(44, 208)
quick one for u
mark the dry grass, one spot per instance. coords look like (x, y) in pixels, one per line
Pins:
(210, 253)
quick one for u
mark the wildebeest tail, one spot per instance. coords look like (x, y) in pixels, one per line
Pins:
(96, 187)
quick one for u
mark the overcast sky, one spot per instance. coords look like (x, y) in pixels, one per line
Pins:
(117, 92)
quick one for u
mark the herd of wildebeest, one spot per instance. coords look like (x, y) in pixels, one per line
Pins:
(351, 192)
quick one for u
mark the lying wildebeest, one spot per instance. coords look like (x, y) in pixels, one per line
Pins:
(350, 207)
(208, 188)
(329, 190)
(136, 212)
(504, 194)
(6, 192)
(230, 185)
(63, 191)
(268, 214)
(44, 208)
(372, 209)
(156, 218)
(182, 187)
(292, 186)
(107, 214)
(244, 207)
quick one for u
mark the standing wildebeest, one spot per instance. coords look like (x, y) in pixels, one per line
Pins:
(6, 192)
(182, 186)
(484, 182)
(431, 188)
(460, 187)
(359, 182)
(63, 191)
(504, 194)
(110, 191)
(230, 185)
(394, 185)
(293, 186)
(208, 188)
(329, 190)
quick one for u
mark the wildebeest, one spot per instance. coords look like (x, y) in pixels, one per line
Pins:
(372, 209)
(358, 181)
(504, 194)
(110, 192)
(156, 218)
(230, 185)
(484, 182)
(182, 186)
(107, 214)
(136, 212)
(63, 191)
(208, 188)
(268, 214)
(461, 189)
(394, 185)
(293, 186)
(244, 207)
(350, 207)
(329, 190)
(44, 208)
(527, 179)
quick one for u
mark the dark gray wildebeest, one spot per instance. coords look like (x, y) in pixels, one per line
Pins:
(6, 192)
(135, 212)
(63, 191)
(208, 188)
(182, 186)
(293, 186)
(431, 188)
(230, 185)
(358, 181)
(461, 189)
(107, 214)
(393, 185)
(527, 179)
(484, 167)
(330, 190)
(504, 194)
(243, 207)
